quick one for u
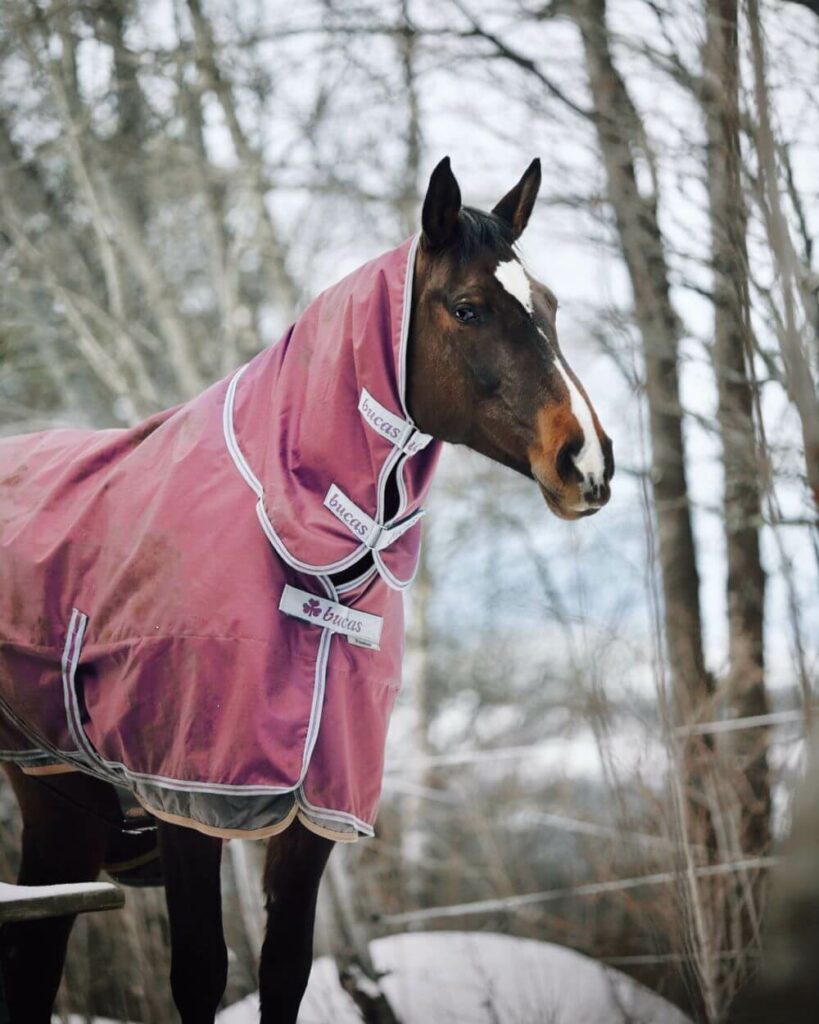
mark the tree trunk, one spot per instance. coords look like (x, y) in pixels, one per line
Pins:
(797, 365)
(732, 355)
(622, 140)
(620, 135)
(745, 780)
(787, 987)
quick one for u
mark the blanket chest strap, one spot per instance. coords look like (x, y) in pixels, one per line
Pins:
(375, 536)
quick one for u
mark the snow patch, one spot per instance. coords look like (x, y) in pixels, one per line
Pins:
(9, 893)
(83, 1018)
(480, 978)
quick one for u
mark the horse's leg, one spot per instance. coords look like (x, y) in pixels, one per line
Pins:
(65, 834)
(295, 861)
(190, 864)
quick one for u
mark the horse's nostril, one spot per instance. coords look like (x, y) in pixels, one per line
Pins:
(566, 468)
(602, 493)
(608, 459)
(596, 492)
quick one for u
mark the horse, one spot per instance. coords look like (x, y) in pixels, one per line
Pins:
(479, 365)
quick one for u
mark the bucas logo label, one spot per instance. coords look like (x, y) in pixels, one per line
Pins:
(347, 515)
(362, 628)
(341, 622)
(382, 425)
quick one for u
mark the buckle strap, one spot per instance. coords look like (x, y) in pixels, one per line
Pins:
(360, 628)
(404, 435)
(375, 536)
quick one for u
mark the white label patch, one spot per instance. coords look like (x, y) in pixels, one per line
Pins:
(396, 430)
(390, 534)
(416, 442)
(514, 279)
(346, 511)
(364, 527)
(360, 628)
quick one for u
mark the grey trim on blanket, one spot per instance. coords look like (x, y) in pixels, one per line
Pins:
(254, 816)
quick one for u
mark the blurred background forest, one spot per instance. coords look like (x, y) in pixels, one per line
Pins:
(178, 178)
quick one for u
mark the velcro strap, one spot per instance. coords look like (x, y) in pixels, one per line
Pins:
(360, 628)
(370, 533)
(395, 429)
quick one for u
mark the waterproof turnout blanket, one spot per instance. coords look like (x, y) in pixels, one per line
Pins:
(170, 612)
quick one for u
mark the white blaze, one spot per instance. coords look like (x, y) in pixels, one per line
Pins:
(514, 280)
(589, 460)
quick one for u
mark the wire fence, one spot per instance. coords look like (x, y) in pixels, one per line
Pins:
(513, 903)
(491, 756)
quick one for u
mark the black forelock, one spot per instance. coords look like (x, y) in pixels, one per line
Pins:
(478, 231)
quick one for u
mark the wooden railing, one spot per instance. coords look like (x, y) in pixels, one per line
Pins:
(29, 902)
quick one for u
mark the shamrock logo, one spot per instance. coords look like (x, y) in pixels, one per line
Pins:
(312, 607)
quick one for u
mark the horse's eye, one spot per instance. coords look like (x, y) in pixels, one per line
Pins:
(465, 314)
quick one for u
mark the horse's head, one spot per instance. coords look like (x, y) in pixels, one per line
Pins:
(485, 366)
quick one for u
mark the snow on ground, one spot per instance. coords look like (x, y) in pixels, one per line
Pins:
(480, 978)
(82, 1018)
(9, 893)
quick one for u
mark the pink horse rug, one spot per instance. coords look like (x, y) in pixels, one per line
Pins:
(171, 612)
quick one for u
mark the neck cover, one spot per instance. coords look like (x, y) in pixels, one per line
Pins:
(334, 387)
(169, 618)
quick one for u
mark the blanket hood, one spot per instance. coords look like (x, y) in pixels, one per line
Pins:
(319, 428)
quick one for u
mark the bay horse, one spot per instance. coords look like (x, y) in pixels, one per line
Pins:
(482, 368)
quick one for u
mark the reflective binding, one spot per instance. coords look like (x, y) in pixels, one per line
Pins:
(360, 628)
(364, 527)
(396, 430)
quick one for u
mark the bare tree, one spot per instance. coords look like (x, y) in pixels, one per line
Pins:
(746, 828)
(793, 274)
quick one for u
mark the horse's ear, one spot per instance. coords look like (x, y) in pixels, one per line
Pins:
(441, 206)
(516, 206)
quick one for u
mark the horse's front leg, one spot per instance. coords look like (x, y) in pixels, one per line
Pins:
(65, 833)
(295, 861)
(190, 864)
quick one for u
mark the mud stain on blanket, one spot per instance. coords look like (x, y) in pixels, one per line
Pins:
(14, 479)
(152, 558)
